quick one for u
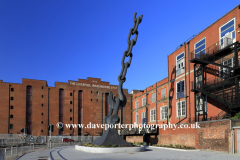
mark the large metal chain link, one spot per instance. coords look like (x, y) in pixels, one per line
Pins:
(131, 43)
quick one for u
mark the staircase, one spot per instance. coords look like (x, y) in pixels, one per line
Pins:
(223, 84)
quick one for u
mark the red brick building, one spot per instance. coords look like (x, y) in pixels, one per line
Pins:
(35, 105)
(202, 85)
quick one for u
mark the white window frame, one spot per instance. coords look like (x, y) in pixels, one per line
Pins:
(181, 109)
(228, 66)
(152, 115)
(153, 97)
(199, 46)
(183, 89)
(205, 104)
(144, 100)
(136, 103)
(143, 115)
(137, 118)
(234, 40)
(182, 69)
(161, 111)
(162, 93)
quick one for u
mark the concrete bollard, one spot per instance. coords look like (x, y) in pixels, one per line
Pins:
(11, 151)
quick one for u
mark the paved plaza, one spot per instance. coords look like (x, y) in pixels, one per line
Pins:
(69, 153)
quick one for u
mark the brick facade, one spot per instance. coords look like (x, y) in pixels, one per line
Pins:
(179, 84)
(212, 135)
(45, 106)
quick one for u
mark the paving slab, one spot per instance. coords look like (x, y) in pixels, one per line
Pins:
(69, 153)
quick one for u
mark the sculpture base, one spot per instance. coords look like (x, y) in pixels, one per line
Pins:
(110, 150)
(111, 137)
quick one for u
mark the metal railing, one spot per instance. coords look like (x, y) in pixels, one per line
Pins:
(14, 151)
(210, 51)
(199, 118)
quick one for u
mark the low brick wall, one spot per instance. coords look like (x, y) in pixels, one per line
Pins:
(212, 135)
(132, 139)
(215, 135)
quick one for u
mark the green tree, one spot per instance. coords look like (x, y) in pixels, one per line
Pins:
(237, 116)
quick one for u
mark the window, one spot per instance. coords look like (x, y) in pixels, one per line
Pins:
(70, 110)
(91, 99)
(180, 108)
(143, 101)
(42, 122)
(70, 118)
(201, 101)
(70, 94)
(12, 98)
(227, 33)
(180, 89)
(11, 107)
(41, 130)
(163, 93)
(143, 117)
(152, 115)
(97, 100)
(42, 96)
(180, 64)
(11, 116)
(91, 91)
(70, 102)
(225, 72)
(42, 87)
(136, 118)
(163, 112)
(42, 114)
(143, 114)
(42, 104)
(136, 104)
(11, 126)
(153, 97)
(200, 48)
(12, 89)
(97, 92)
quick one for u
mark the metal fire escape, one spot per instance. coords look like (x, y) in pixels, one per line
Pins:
(217, 75)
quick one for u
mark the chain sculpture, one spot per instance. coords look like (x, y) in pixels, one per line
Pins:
(111, 137)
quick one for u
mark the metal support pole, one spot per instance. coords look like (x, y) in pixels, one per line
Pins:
(235, 55)
(195, 93)
(236, 90)
(202, 77)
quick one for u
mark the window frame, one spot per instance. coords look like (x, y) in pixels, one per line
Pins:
(205, 105)
(162, 94)
(161, 110)
(152, 115)
(137, 118)
(180, 87)
(153, 97)
(201, 45)
(181, 109)
(136, 104)
(143, 104)
(234, 30)
(144, 115)
(181, 59)
(232, 59)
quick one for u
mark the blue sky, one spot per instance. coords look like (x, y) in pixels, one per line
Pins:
(60, 40)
